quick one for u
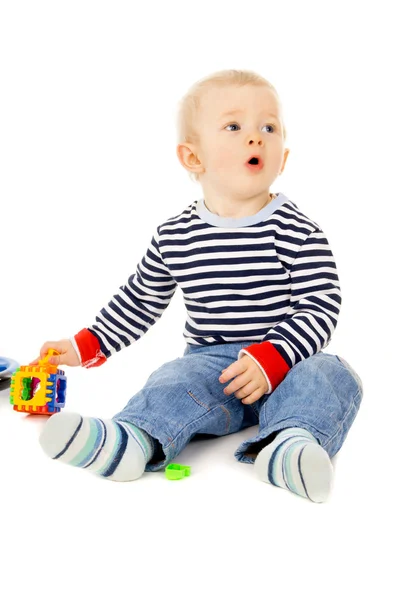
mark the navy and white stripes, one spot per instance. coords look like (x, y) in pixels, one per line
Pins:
(115, 450)
(295, 461)
(272, 278)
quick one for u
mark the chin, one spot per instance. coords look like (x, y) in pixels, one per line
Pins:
(255, 187)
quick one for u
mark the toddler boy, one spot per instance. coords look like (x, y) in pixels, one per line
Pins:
(262, 297)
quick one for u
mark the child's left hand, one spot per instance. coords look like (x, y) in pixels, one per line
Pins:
(249, 383)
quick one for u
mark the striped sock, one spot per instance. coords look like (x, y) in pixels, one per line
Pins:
(113, 449)
(295, 461)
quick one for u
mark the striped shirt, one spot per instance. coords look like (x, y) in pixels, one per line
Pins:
(266, 277)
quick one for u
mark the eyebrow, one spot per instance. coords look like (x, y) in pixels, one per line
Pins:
(238, 110)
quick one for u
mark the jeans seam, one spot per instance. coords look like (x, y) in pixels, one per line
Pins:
(201, 417)
(228, 417)
(222, 406)
(348, 412)
(198, 401)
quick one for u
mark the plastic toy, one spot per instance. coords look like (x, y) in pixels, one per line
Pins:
(39, 389)
(175, 471)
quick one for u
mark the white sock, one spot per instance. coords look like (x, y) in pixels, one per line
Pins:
(116, 450)
(295, 461)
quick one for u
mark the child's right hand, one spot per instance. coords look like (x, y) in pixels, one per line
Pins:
(67, 354)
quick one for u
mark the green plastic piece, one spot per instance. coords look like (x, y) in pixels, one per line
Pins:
(27, 388)
(12, 388)
(175, 471)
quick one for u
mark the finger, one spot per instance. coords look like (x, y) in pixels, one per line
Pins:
(55, 360)
(52, 359)
(35, 361)
(246, 390)
(232, 371)
(48, 346)
(237, 383)
(254, 396)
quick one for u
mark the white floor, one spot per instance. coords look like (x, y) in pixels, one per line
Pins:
(221, 532)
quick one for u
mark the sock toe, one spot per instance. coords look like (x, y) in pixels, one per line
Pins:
(317, 472)
(297, 462)
(58, 431)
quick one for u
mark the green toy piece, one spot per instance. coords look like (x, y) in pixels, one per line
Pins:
(27, 388)
(175, 471)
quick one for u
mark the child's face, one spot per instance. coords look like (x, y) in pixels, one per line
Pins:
(228, 141)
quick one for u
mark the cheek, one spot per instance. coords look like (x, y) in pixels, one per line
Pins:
(277, 153)
(224, 157)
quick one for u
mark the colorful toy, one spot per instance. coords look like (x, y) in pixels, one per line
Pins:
(39, 389)
(175, 471)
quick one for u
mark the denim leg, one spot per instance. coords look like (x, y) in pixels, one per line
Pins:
(322, 394)
(183, 399)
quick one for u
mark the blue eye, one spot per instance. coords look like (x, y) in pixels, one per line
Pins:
(232, 125)
(272, 127)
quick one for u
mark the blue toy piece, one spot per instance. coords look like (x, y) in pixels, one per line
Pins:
(7, 368)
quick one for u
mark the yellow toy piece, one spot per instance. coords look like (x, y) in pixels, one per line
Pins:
(39, 389)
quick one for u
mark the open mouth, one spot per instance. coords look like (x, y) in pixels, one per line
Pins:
(255, 163)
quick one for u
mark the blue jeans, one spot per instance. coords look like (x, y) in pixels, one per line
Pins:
(183, 399)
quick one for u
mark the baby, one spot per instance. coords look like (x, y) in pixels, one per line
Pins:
(262, 297)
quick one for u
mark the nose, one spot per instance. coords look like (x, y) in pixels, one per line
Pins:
(256, 139)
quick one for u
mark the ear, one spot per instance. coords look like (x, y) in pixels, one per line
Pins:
(187, 155)
(285, 155)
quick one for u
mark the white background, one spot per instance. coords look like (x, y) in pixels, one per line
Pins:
(88, 169)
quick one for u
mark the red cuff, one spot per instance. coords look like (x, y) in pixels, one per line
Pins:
(89, 348)
(270, 360)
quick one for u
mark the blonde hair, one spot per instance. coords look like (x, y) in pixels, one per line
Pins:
(189, 104)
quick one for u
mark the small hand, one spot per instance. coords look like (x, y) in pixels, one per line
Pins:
(249, 383)
(67, 354)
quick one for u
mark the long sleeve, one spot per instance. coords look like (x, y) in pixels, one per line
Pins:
(132, 310)
(312, 317)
